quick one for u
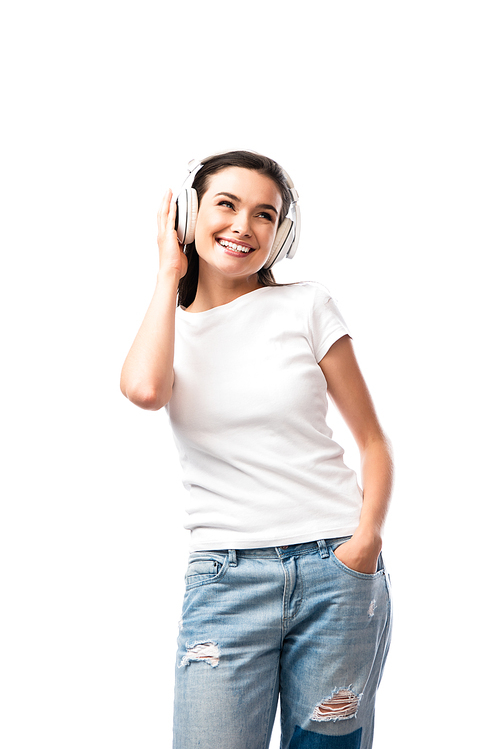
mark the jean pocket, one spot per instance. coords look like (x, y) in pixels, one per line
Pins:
(205, 568)
(360, 575)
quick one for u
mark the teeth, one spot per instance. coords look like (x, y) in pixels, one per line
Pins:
(233, 246)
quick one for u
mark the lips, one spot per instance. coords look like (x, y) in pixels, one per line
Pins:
(240, 248)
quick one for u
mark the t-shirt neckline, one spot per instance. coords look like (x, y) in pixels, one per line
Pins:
(233, 302)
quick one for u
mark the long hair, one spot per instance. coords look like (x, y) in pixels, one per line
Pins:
(246, 160)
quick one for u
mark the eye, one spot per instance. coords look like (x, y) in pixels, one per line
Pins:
(226, 203)
(266, 215)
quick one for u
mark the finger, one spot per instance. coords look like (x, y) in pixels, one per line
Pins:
(163, 211)
(164, 202)
(172, 214)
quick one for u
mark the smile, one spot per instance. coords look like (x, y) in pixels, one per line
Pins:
(234, 247)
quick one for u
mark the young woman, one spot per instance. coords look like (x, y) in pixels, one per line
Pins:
(286, 593)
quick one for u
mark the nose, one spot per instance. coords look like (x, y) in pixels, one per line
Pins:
(241, 225)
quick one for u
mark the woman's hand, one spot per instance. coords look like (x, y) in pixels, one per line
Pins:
(360, 553)
(172, 257)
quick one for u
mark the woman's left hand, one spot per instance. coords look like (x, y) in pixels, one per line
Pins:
(360, 554)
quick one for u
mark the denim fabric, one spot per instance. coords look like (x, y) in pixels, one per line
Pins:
(289, 621)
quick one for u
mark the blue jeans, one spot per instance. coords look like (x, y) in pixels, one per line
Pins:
(289, 621)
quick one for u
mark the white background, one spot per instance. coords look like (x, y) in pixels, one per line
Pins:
(386, 115)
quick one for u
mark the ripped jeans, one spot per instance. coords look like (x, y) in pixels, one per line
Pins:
(292, 622)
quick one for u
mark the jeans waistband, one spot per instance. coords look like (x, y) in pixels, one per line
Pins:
(283, 552)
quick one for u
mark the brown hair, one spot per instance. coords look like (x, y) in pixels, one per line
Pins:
(246, 160)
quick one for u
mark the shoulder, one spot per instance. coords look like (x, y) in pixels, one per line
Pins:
(311, 297)
(307, 292)
(308, 301)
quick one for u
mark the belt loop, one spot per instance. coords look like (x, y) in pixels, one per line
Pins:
(233, 562)
(323, 548)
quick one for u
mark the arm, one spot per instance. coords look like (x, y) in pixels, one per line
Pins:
(348, 390)
(147, 376)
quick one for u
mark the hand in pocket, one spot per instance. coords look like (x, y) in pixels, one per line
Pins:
(358, 557)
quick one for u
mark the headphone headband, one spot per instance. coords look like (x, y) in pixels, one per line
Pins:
(288, 232)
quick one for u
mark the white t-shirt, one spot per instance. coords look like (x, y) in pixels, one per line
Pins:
(248, 411)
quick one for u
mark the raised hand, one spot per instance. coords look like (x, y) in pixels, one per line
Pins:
(172, 257)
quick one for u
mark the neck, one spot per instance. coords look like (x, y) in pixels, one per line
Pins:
(214, 290)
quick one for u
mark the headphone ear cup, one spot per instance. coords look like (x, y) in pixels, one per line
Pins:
(187, 212)
(282, 243)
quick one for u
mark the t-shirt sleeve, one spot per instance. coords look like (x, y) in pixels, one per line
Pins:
(326, 322)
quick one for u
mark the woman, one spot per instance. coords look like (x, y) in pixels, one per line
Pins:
(286, 594)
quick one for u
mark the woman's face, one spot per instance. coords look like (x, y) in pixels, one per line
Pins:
(237, 221)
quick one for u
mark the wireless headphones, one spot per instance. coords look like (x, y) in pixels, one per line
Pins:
(287, 235)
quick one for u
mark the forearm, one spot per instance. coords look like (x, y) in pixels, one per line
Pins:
(377, 477)
(147, 374)
(361, 552)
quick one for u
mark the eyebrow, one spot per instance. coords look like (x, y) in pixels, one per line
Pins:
(238, 200)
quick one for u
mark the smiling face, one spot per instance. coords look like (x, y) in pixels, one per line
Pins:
(237, 221)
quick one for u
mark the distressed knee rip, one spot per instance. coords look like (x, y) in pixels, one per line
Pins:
(201, 651)
(342, 705)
